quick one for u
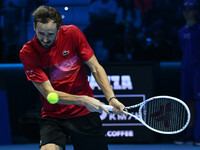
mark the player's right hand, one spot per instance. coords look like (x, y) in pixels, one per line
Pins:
(93, 104)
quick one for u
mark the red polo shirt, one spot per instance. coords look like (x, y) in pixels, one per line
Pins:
(62, 64)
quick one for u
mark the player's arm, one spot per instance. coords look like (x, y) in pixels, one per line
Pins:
(90, 103)
(102, 80)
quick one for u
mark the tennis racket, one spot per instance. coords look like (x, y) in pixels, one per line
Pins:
(161, 114)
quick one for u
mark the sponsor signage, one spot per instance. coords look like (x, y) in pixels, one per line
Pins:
(132, 84)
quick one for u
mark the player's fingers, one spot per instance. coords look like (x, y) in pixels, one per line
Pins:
(104, 109)
(126, 110)
(121, 112)
(117, 111)
(121, 108)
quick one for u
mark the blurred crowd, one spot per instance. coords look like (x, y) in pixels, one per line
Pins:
(135, 30)
(122, 30)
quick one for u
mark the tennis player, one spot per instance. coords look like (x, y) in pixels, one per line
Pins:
(54, 62)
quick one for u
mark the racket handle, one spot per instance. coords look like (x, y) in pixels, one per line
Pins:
(110, 108)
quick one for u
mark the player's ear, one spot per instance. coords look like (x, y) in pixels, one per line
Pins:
(34, 26)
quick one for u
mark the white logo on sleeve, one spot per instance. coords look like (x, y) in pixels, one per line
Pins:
(30, 73)
(65, 53)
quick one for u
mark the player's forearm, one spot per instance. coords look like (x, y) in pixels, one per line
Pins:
(90, 103)
(102, 80)
(69, 99)
(64, 98)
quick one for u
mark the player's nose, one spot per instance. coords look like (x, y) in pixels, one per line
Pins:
(45, 39)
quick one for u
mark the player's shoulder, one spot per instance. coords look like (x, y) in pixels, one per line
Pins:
(27, 49)
(67, 29)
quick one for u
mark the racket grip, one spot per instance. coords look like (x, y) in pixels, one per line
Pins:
(110, 108)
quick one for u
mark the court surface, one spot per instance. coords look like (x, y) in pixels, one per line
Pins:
(112, 147)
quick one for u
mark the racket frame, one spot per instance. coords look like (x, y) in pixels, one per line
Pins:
(140, 105)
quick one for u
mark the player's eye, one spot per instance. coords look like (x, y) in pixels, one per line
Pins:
(51, 34)
(41, 33)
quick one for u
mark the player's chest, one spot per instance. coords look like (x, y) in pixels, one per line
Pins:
(58, 54)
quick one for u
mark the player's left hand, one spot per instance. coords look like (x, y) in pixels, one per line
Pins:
(118, 106)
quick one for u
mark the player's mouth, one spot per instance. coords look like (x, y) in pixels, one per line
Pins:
(46, 44)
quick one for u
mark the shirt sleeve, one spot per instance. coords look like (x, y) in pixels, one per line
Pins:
(84, 50)
(32, 70)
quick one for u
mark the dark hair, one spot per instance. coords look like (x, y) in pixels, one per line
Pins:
(45, 13)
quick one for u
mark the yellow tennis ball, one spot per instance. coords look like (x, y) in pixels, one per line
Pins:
(52, 98)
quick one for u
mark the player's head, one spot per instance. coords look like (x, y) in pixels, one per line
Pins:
(47, 21)
(44, 14)
(190, 8)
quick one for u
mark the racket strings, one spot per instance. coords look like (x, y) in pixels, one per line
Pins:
(164, 114)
